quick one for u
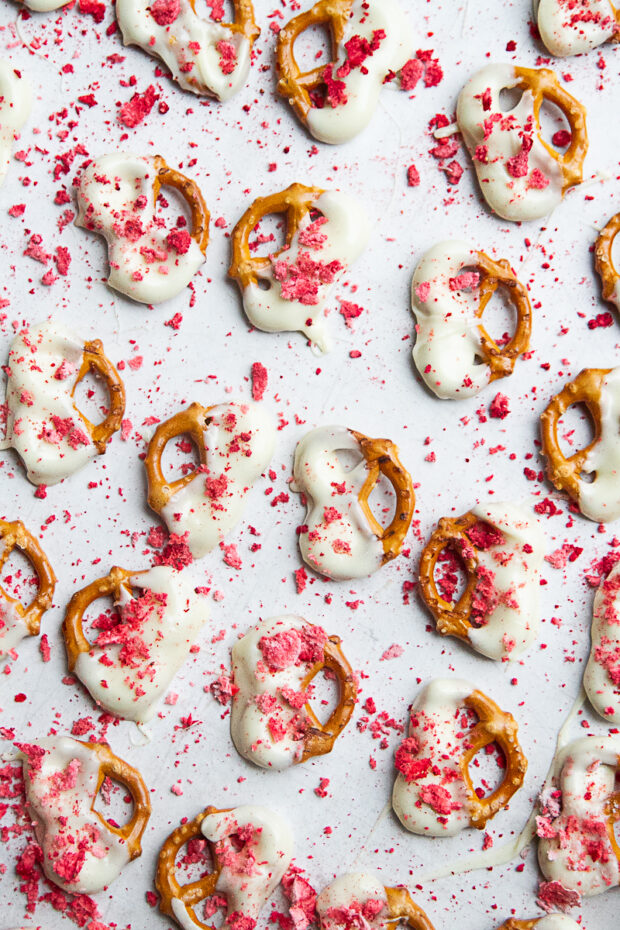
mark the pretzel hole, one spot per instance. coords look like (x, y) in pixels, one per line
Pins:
(313, 48)
(509, 98)
(173, 209)
(268, 236)
(554, 126)
(450, 575)
(91, 397)
(99, 615)
(18, 578)
(114, 802)
(324, 694)
(224, 11)
(382, 501)
(502, 314)
(487, 770)
(193, 861)
(180, 457)
(575, 430)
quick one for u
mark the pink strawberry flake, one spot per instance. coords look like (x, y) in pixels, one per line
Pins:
(260, 378)
(499, 407)
(179, 240)
(408, 764)
(94, 8)
(175, 553)
(554, 896)
(394, 652)
(228, 56)
(231, 556)
(438, 798)
(410, 74)
(164, 12)
(135, 111)
(302, 899)
(413, 176)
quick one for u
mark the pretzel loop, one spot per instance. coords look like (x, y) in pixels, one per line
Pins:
(15, 536)
(452, 619)
(94, 359)
(191, 194)
(501, 360)
(543, 84)
(296, 202)
(244, 23)
(401, 906)
(112, 767)
(564, 472)
(294, 84)
(320, 737)
(382, 457)
(513, 924)
(603, 261)
(73, 624)
(165, 878)
(494, 726)
(191, 421)
(612, 809)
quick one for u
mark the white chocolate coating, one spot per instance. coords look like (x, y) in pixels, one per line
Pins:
(599, 499)
(347, 231)
(585, 772)
(557, 922)
(363, 85)
(249, 876)
(13, 627)
(115, 198)
(571, 27)
(353, 900)
(435, 722)
(513, 198)
(15, 107)
(39, 397)
(447, 346)
(601, 678)
(265, 728)
(239, 440)
(160, 631)
(44, 6)
(79, 854)
(512, 572)
(339, 542)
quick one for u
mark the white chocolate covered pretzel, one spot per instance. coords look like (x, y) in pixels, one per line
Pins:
(235, 443)
(137, 652)
(360, 900)
(44, 426)
(204, 56)
(44, 6)
(571, 27)
(451, 288)
(272, 722)
(550, 922)
(434, 794)
(521, 176)
(601, 678)
(577, 846)
(15, 107)
(117, 198)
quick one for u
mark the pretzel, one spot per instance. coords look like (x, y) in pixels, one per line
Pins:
(449, 305)
(16, 620)
(571, 29)
(117, 198)
(284, 734)
(603, 260)
(598, 389)
(15, 107)
(364, 545)
(234, 443)
(204, 57)
(65, 814)
(401, 906)
(601, 678)
(439, 742)
(362, 897)
(501, 617)
(245, 893)
(96, 361)
(342, 115)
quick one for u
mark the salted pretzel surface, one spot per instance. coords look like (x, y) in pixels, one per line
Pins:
(191, 421)
(14, 535)
(402, 907)
(96, 361)
(320, 737)
(191, 194)
(603, 259)
(493, 275)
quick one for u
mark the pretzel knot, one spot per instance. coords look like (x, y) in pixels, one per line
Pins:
(191, 194)
(319, 738)
(401, 906)
(603, 260)
(15, 536)
(95, 360)
(296, 202)
(501, 360)
(544, 85)
(165, 878)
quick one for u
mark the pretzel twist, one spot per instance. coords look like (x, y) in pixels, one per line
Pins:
(544, 85)
(564, 472)
(494, 726)
(296, 202)
(165, 877)
(15, 536)
(382, 458)
(401, 906)
(73, 624)
(111, 766)
(191, 421)
(320, 737)
(293, 84)
(513, 924)
(94, 359)
(191, 194)
(603, 261)
(244, 22)
(501, 360)
(451, 619)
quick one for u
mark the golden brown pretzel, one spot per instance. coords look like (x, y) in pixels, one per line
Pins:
(544, 85)
(612, 809)
(382, 458)
(244, 22)
(603, 261)
(494, 726)
(401, 906)
(165, 877)
(14, 535)
(117, 769)
(94, 359)
(296, 202)
(565, 472)
(294, 85)
(319, 738)
(193, 421)
(513, 924)
(72, 627)
(191, 194)
(501, 360)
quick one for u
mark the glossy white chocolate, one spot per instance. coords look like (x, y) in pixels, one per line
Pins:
(557, 922)
(15, 107)
(571, 27)
(44, 6)
(344, 903)
(13, 627)
(601, 678)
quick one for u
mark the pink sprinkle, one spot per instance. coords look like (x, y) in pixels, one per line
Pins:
(231, 556)
(134, 111)
(164, 12)
(413, 176)
(392, 653)
(499, 407)
(260, 378)
(44, 646)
